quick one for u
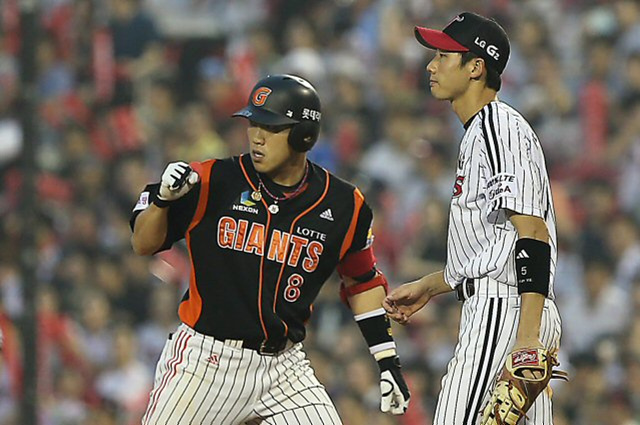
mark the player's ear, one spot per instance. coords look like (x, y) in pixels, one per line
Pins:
(477, 67)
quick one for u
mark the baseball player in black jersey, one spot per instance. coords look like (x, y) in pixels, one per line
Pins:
(264, 232)
(501, 243)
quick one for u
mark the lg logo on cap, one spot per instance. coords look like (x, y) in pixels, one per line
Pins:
(491, 49)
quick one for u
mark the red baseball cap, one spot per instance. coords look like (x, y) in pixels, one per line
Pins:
(470, 32)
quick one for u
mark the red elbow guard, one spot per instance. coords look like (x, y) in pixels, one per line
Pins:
(357, 263)
(358, 288)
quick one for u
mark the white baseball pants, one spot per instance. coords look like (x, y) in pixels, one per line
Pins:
(203, 381)
(487, 333)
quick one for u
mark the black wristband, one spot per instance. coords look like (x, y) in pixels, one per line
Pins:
(160, 203)
(376, 329)
(533, 266)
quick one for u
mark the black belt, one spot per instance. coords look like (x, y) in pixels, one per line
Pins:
(468, 287)
(266, 348)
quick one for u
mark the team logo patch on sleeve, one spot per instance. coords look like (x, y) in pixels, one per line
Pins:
(503, 185)
(143, 202)
(370, 237)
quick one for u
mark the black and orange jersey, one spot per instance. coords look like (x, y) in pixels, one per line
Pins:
(255, 274)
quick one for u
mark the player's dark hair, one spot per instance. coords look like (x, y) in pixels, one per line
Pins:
(493, 78)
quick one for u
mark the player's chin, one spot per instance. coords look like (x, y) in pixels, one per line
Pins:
(263, 167)
(259, 163)
(437, 92)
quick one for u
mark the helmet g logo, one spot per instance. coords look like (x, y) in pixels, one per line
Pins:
(260, 96)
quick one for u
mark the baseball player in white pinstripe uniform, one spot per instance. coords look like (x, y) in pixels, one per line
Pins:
(501, 246)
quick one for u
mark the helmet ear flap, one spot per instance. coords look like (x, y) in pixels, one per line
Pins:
(304, 135)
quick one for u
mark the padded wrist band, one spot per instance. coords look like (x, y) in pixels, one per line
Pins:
(160, 203)
(533, 265)
(376, 329)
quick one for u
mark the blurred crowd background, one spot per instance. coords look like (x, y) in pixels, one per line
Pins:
(126, 86)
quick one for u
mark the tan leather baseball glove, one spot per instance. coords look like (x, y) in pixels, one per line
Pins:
(516, 391)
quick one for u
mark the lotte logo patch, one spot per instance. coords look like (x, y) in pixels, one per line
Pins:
(260, 96)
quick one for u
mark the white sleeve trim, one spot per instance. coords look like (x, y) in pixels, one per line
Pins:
(449, 279)
(494, 216)
(382, 347)
(374, 313)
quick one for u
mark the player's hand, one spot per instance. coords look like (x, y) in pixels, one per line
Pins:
(393, 390)
(405, 300)
(177, 179)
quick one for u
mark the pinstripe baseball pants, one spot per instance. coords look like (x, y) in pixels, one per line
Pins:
(487, 332)
(203, 381)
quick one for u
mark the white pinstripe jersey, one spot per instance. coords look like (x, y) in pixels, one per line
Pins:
(500, 167)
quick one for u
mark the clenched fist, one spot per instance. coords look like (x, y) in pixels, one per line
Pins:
(177, 179)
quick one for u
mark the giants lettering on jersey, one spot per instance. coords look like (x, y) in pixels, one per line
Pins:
(249, 237)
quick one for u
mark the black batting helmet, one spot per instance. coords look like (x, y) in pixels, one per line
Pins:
(286, 100)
